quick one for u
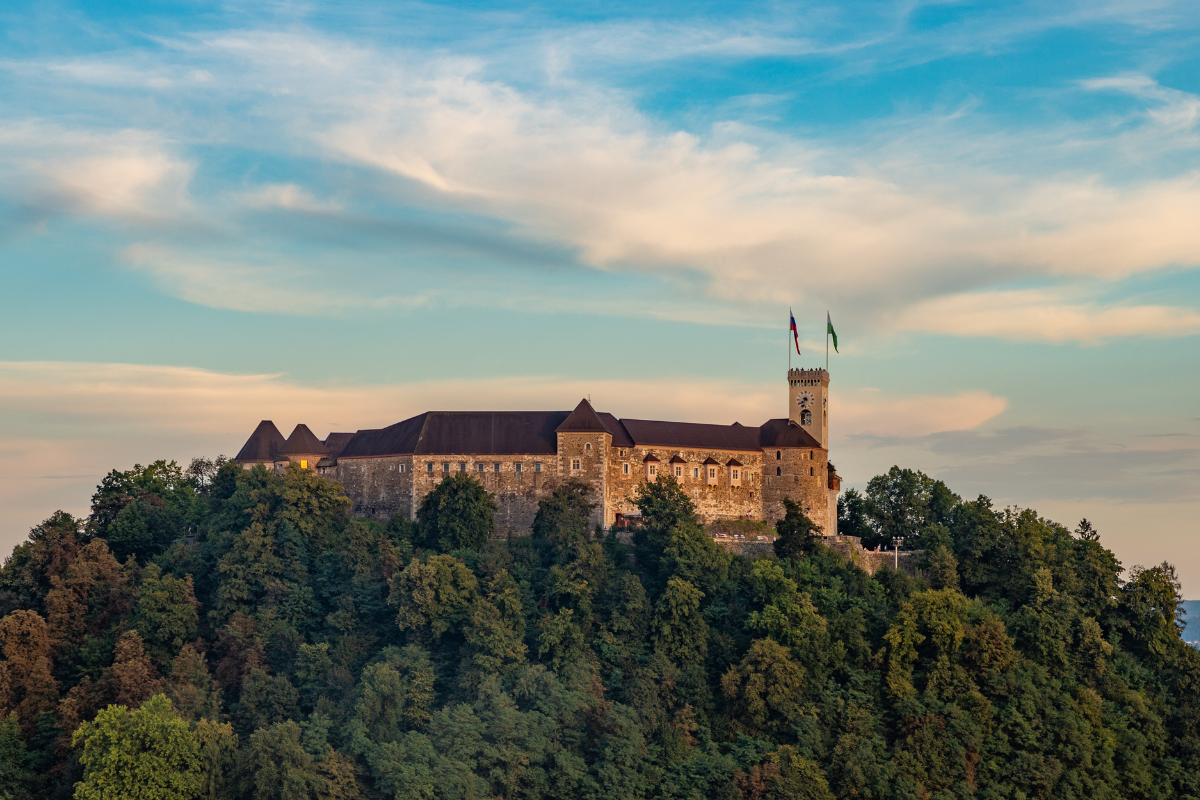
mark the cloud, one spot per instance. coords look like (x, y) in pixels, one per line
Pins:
(289, 197)
(276, 287)
(873, 414)
(129, 175)
(575, 172)
(1044, 316)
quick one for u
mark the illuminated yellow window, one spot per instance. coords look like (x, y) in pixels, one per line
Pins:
(304, 463)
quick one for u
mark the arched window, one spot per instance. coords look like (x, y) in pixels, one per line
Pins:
(778, 454)
(806, 417)
(779, 470)
(810, 471)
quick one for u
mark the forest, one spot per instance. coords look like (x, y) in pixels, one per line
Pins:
(215, 632)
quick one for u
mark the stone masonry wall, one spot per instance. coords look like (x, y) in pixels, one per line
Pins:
(795, 482)
(516, 492)
(379, 487)
(590, 451)
(713, 502)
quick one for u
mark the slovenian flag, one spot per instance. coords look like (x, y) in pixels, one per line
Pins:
(795, 331)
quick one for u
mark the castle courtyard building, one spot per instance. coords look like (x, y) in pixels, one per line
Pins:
(730, 471)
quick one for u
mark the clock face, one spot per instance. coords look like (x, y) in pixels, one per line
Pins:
(806, 400)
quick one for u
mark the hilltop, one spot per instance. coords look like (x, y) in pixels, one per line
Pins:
(230, 633)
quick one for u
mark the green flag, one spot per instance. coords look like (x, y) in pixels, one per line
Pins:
(829, 330)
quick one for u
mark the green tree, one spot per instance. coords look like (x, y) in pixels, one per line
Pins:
(17, 780)
(765, 691)
(562, 519)
(434, 595)
(190, 687)
(395, 694)
(144, 754)
(166, 614)
(458, 514)
(903, 503)
(795, 533)
(663, 505)
(275, 766)
(943, 569)
(680, 632)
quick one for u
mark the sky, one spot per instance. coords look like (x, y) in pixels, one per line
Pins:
(213, 213)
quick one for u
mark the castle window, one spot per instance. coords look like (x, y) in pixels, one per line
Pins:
(445, 466)
(810, 471)
(429, 466)
(795, 479)
(479, 466)
(537, 466)
(712, 472)
(695, 472)
(517, 467)
(462, 466)
(304, 463)
(391, 467)
(778, 471)
(806, 417)
(624, 469)
(778, 455)
(402, 468)
(587, 446)
(574, 463)
(496, 467)
(652, 470)
(736, 475)
(679, 472)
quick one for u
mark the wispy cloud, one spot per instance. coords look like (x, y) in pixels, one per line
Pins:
(1045, 316)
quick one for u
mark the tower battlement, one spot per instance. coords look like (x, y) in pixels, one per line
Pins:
(808, 377)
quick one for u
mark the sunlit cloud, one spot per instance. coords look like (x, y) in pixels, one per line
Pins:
(1043, 316)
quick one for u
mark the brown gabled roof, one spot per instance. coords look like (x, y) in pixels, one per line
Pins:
(463, 432)
(613, 425)
(582, 420)
(691, 435)
(733, 462)
(650, 457)
(303, 442)
(263, 444)
(710, 460)
(336, 443)
(676, 459)
(785, 433)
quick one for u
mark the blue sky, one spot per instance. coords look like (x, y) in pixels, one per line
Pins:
(212, 213)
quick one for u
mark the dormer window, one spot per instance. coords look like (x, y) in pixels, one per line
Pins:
(651, 464)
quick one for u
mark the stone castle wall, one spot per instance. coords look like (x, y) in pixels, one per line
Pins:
(378, 487)
(795, 482)
(626, 470)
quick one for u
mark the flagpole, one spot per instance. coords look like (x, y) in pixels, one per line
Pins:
(827, 345)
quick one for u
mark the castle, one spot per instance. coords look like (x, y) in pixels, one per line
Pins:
(730, 471)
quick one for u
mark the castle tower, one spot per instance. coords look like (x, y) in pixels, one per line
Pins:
(808, 402)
